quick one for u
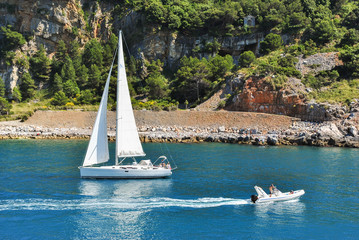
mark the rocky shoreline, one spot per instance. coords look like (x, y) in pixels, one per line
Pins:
(340, 134)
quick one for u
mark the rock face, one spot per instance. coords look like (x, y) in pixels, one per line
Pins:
(258, 95)
(318, 62)
(170, 47)
(46, 22)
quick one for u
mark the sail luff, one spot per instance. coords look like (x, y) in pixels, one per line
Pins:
(127, 139)
(97, 150)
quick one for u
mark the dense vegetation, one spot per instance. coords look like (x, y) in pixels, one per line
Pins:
(76, 74)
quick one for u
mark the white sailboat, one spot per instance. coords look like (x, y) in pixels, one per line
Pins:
(128, 145)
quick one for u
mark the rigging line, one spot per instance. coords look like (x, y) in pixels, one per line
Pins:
(129, 56)
(168, 151)
(128, 50)
(163, 152)
(114, 56)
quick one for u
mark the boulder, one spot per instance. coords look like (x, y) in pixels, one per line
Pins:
(330, 131)
(221, 129)
(272, 140)
(352, 131)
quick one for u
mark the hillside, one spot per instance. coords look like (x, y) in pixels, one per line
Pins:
(295, 58)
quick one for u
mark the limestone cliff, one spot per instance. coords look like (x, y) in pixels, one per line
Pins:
(45, 23)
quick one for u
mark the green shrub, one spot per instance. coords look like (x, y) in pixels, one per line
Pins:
(246, 58)
(5, 106)
(59, 99)
(26, 116)
(322, 79)
(278, 81)
(270, 43)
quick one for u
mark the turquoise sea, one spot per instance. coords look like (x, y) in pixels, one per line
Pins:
(43, 197)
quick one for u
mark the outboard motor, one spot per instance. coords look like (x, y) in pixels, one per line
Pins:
(254, 198)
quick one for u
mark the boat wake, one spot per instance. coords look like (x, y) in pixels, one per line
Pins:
(121, 204)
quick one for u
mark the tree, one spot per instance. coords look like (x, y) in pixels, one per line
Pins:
(297, 21)
(246, 58)
(192, 79)
(132, 66)
(75, 55)
(71, 89)
(309, 7)
(93, 54)
(86, 97)
(94, 77)
(324, 31)
(272, 19)
(109, 49)
(352, 20)
(83, 77)
(271, 42)
(155, 11)
(40, 65)
(351, 60)
(350, 37)
(213, 47)
(13, 39)
(27, 86)
(16, 95)
(60, 56)
(158, 86)
(59, 99)
(68, 70)
(5, 106)
(220, 66)
(2, 88)
(57, 83)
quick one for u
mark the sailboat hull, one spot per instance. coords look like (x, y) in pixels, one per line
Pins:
(122, 172)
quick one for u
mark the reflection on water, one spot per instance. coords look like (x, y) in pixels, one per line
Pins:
(120, 207)
(279, 212)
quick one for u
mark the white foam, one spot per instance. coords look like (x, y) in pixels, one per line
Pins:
(114, 203)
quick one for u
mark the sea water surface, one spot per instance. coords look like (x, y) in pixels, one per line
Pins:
(43, 197)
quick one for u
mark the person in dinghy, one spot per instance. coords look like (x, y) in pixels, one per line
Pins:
(275, 195)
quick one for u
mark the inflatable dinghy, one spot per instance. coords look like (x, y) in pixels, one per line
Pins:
(275, 196)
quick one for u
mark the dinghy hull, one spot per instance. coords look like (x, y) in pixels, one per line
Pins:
(282, 197)
(121, 172)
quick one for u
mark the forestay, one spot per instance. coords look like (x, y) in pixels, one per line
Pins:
(127, 140)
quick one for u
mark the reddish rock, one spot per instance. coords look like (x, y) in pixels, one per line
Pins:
(258, 95)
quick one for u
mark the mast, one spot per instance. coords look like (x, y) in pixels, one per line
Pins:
(117, 94)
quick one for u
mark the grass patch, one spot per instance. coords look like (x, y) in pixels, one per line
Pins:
(340, 92)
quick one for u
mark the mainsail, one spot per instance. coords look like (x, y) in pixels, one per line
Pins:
(127, 140)
(97, 150)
